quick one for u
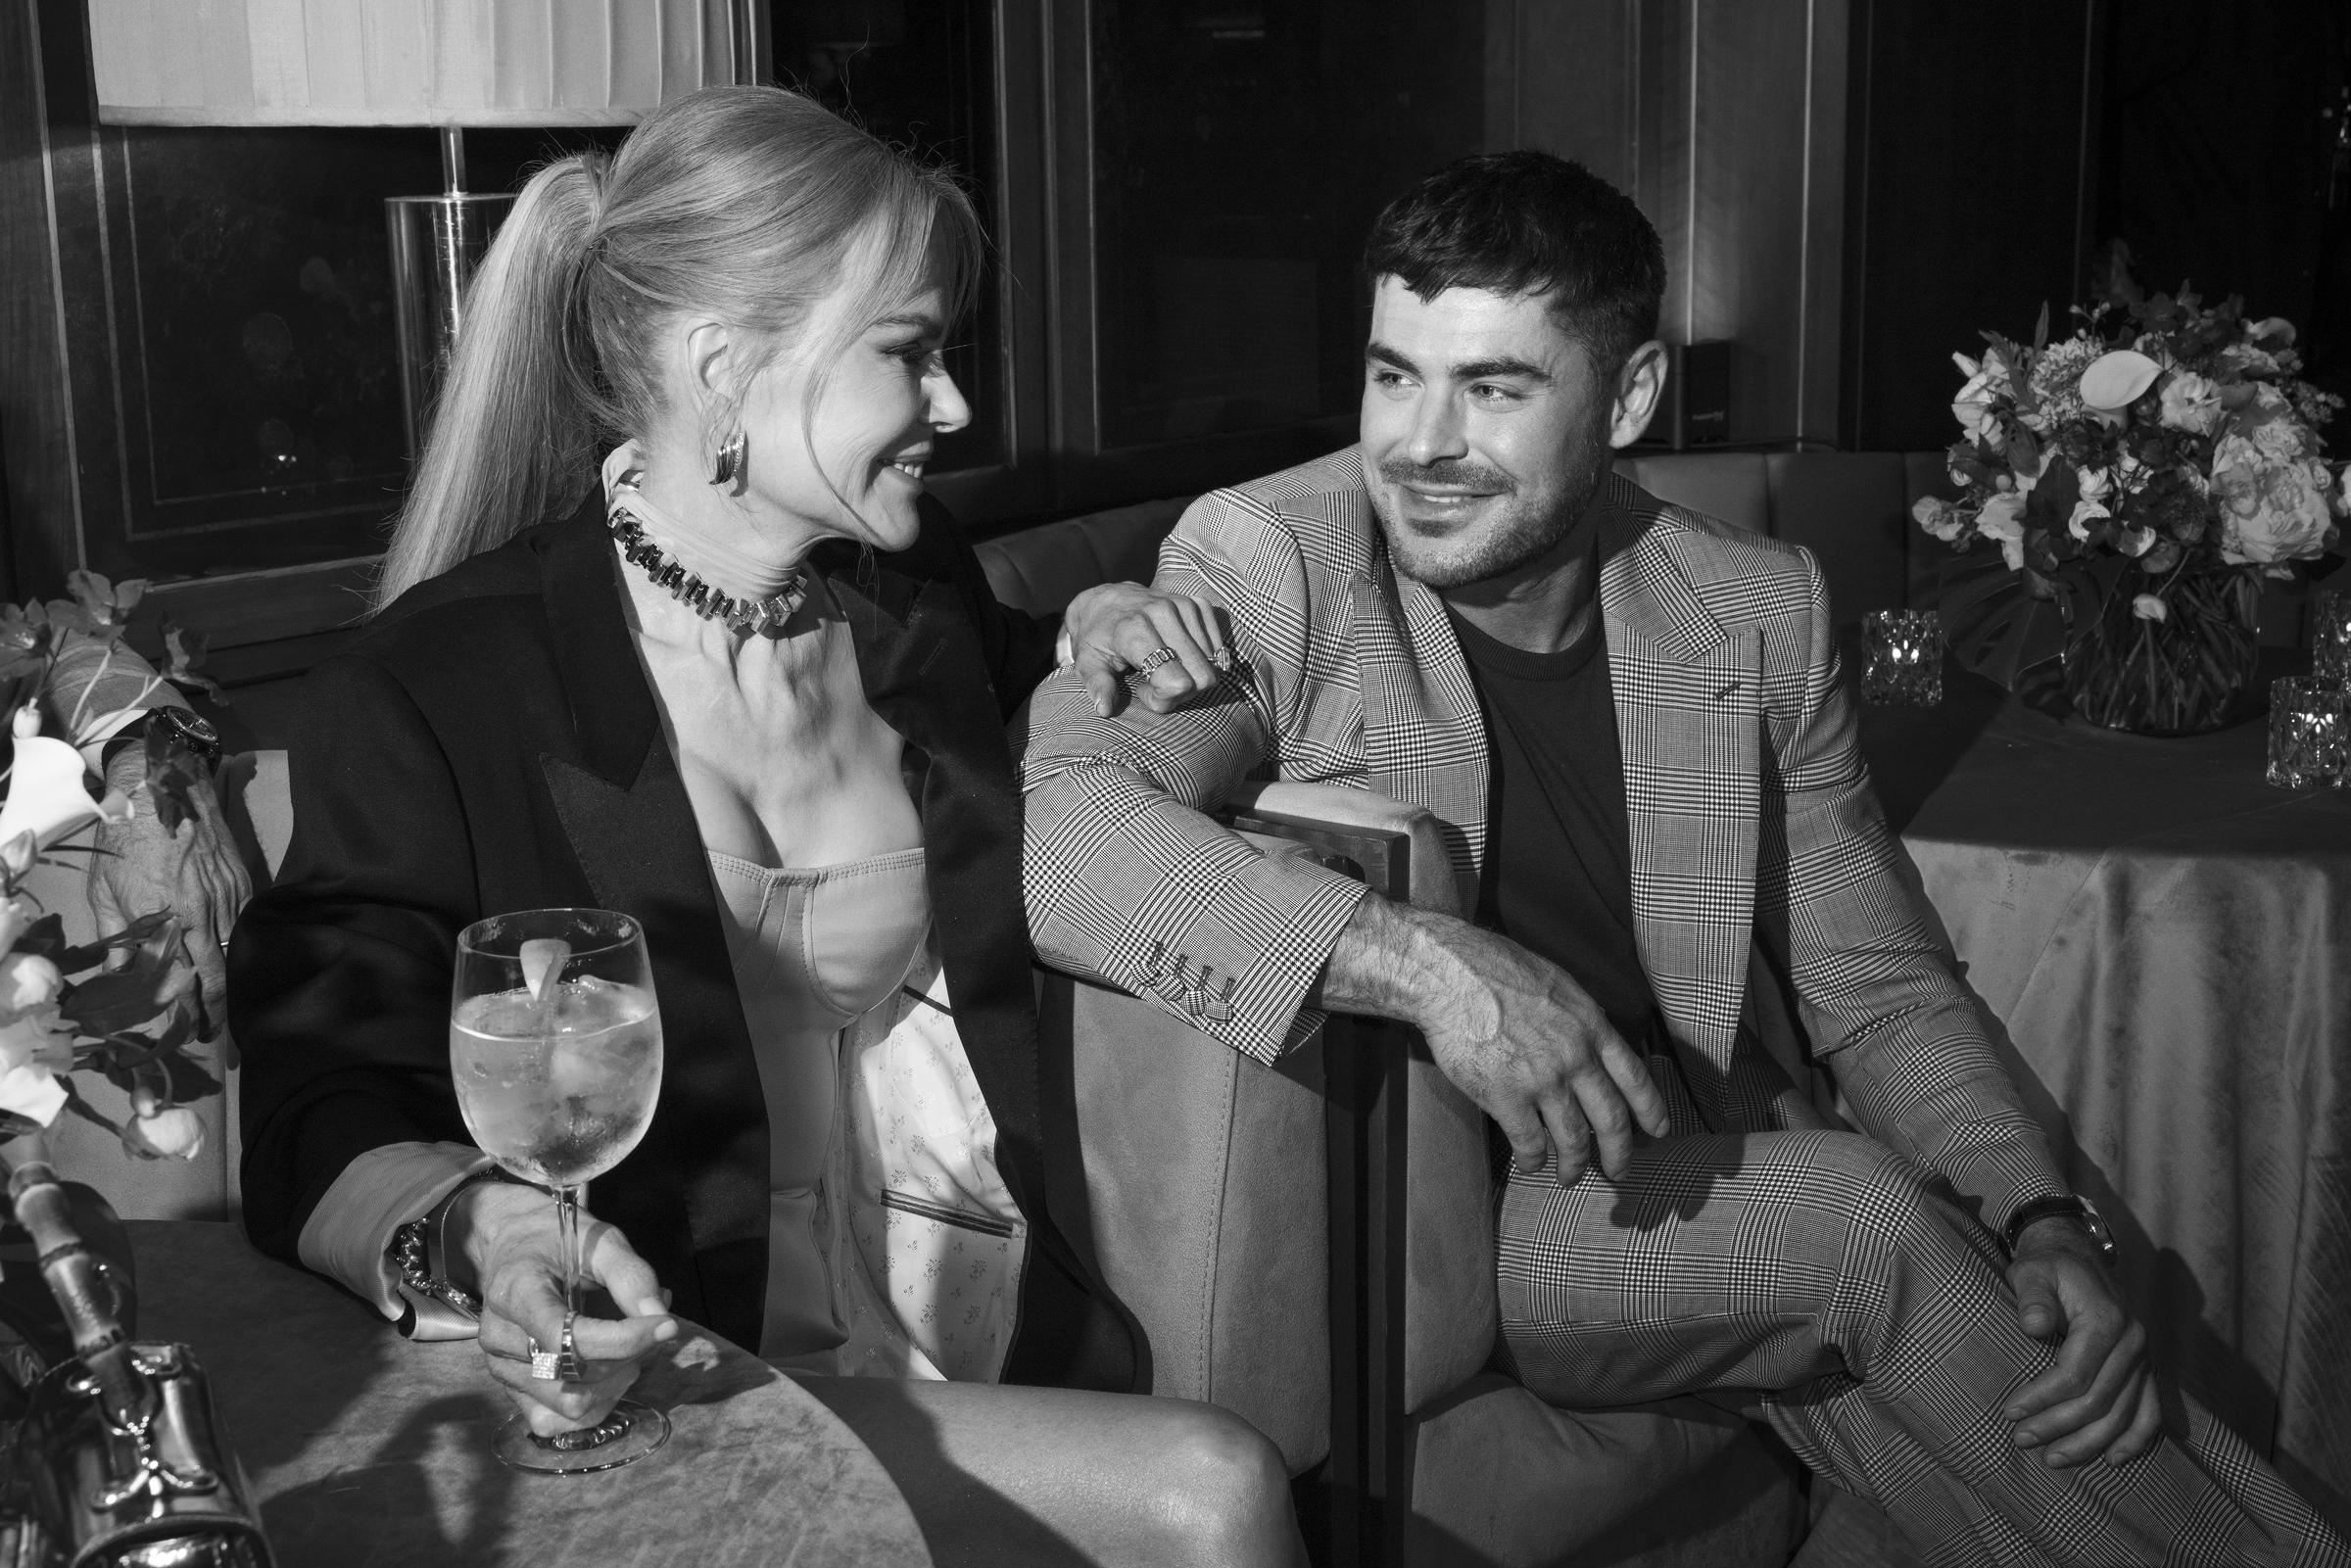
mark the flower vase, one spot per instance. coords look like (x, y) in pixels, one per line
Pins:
(2186, 671)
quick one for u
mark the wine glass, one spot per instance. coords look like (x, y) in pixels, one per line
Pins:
(555, 1041)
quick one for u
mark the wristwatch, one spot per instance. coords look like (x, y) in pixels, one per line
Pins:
(181, 728)
(2067, 1205)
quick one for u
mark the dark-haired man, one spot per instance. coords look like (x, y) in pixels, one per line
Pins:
(1629, 720)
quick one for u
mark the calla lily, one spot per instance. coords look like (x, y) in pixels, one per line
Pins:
(46, 798)
(2117, 380)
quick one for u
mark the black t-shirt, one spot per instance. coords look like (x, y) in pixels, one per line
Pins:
(1558, 858)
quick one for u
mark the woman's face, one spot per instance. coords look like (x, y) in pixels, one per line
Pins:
(870, 428)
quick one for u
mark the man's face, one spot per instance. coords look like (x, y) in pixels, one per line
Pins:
(1485, 428)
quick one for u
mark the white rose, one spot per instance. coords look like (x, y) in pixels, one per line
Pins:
(2085, 512)
(2002, 517)
(31, 1091)
(2271, 510)
(41, 1037)
(2191, 403)
(27, 981)
(1939, 517)
(2095, 484)
(158, 1131)
(2147, 607)
(15, 914)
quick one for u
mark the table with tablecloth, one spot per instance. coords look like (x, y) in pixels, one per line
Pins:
(366, 1449)
(2164, 944)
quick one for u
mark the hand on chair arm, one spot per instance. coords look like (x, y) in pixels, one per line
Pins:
(1513, 1031)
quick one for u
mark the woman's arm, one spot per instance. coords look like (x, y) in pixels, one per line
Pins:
(340, 973)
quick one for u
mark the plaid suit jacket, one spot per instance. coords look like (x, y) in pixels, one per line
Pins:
(1752, 825)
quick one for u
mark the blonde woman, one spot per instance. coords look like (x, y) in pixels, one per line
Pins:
(669, 627)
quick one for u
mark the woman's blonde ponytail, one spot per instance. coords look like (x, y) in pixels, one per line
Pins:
(514, 431)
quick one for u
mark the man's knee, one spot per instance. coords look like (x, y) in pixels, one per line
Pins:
(1888, 1207)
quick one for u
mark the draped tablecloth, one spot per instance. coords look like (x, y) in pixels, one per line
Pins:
(2163, 942)
(365, 1449)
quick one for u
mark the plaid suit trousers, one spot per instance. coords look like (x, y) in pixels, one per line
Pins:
(1875, 1318)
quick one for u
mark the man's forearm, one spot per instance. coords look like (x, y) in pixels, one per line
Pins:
(1388, 963)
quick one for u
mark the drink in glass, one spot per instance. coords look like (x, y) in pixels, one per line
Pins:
(554, 1045)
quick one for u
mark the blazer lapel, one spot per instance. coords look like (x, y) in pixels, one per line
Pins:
(1424, 736)
(1688, 717)
(624, 809)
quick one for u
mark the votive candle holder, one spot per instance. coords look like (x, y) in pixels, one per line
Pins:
(1904, 667)
(2307, 733)
(2331, 636)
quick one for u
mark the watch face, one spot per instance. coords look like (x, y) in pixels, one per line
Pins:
(195, 733)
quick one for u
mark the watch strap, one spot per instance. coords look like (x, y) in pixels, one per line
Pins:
(2057, 1206)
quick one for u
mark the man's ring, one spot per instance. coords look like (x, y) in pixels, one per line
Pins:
(543, 1362)
(1156, 658)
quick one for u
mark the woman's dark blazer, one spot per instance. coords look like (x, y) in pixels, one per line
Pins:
(491, 743)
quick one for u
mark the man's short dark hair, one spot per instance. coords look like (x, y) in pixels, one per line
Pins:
(1526, 222)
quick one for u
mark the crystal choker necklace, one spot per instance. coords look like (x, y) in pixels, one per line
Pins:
(711, 604)
(642, 550)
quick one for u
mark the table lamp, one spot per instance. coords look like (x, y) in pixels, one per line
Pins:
(447, 63)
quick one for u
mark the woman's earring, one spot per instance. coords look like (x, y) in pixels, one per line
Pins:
(730, 460)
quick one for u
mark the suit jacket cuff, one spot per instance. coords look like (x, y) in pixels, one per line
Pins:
(1258, 1005)
(2004, 1176)
(348, 1234)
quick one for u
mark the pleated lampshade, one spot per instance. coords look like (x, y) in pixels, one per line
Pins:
(407, 62)
(449, 63)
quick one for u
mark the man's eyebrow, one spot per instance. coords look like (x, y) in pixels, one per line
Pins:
(1475, 371)
(1506, 366)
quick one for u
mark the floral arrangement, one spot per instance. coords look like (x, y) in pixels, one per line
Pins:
(2156, 463)
(122, 1006)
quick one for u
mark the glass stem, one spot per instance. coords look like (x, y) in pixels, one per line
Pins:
(567, 1225)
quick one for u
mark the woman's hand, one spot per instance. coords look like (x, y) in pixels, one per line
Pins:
(1170, 638)
(508, 1235)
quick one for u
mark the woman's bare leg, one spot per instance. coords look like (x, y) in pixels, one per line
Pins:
(1022, 1476)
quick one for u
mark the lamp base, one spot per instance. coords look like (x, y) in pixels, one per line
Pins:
(437, 242)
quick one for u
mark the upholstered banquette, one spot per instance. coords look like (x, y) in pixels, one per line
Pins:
(1310, 1245)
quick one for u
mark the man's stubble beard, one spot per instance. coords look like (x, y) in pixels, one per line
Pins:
(1524, 533)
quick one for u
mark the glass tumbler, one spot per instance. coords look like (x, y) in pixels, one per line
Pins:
(2331, 634)
(1905, 658)
(2307, 733)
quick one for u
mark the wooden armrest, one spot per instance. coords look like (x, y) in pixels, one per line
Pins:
(1395, 848)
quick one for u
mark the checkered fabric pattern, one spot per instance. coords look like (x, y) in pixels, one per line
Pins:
(1751, 820)
(1824, 1267)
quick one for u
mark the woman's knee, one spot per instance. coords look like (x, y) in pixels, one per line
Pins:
(1223, 1494)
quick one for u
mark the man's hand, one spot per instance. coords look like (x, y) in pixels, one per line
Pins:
(196, 874)
(506, 1237)
(2100, 1396)
(1172, 639)
(1511, 1030)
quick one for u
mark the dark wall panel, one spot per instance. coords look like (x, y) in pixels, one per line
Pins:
(1971, 179)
